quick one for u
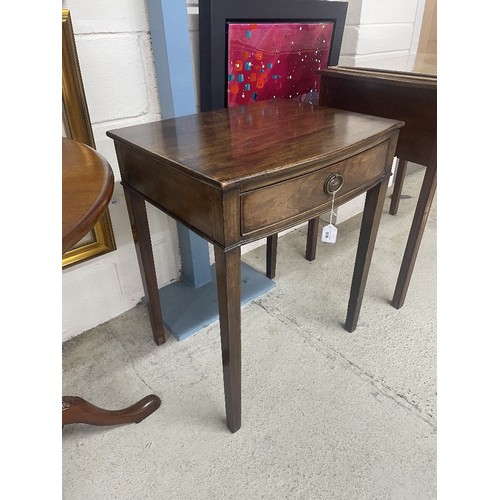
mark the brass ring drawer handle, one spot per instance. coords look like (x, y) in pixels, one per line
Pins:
(333, 183)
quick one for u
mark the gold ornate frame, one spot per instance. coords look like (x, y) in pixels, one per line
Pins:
(77, 126)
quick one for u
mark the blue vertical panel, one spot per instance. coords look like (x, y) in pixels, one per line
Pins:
(170, 39)
(190, 304)
(195, 259)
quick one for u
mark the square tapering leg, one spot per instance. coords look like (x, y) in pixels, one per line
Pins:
(142, 239)
(422, 210)
(372, 213)
(228, 272)
(312, 238)
(271, 252)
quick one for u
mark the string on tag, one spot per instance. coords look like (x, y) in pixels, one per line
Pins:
(332, 213)
(329, 234)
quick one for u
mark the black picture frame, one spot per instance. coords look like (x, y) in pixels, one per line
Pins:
(214, 15)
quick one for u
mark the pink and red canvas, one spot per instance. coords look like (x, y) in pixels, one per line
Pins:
(276, 60)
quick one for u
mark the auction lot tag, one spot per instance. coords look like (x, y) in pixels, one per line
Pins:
(329, 234)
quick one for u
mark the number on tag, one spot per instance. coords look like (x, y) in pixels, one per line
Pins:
(329, 234)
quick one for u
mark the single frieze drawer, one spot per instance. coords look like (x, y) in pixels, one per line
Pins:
(288, 199)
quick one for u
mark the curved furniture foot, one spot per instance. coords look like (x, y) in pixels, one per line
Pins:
(76, 410)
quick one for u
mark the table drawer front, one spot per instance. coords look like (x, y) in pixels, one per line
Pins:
(288, 199)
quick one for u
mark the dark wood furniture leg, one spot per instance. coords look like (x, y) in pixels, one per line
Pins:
(76, 410)
(142, 239)
(312, 238)
(374, 204)
(272, 247)
(398, 186)
(271, 252)
(416, 232)
(228, 271)
(87, 188)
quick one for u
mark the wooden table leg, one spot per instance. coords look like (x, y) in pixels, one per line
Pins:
(312, 238)
(271, 251)
(76, 410)
(398, 186)
(228, 271)
(136, 206)
(374, 204)
(416, 232)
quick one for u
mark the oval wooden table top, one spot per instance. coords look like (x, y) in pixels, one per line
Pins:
(87, 186)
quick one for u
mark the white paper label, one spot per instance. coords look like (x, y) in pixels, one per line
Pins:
(329, 234)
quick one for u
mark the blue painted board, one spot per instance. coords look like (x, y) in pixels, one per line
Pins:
(186, 310)
(190, 304)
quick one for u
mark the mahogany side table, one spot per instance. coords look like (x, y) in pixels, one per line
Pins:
(400, 95)
(87, 186)
(241, 174)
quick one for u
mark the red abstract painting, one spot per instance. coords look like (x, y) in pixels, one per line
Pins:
(276, 60)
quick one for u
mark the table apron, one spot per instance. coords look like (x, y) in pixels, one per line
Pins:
(229, 219)
(305, 194)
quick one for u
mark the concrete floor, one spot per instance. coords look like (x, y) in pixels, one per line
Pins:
(327, 414)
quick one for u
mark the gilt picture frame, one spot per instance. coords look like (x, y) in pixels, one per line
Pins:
(76, 125)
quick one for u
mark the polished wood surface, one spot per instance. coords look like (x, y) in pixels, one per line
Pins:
(240, 174)
(404, 96)
(412, 98)
(188, 166)
(76, 410)
(232, 147)
(87, 187)
(271, 204)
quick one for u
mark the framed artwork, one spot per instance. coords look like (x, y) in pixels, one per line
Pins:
(266, 49)
(76, 125)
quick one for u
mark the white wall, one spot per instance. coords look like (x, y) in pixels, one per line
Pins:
(114, 48)
(117, 67)
(382, 34)
(379, 34)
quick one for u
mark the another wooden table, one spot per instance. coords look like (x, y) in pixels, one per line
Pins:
(409, 97)
(240, 174)
(87, 186)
